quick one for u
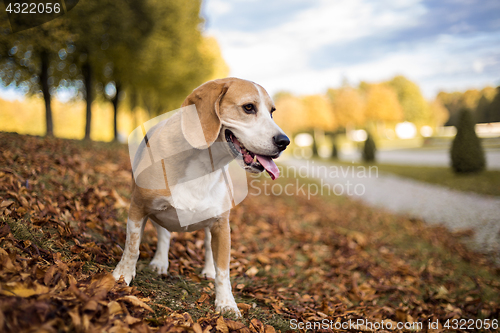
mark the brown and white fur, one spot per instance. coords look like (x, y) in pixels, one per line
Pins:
(221, 105)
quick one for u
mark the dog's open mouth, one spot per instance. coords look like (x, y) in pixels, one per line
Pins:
(259, 162)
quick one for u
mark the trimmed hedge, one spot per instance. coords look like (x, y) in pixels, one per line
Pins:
(467, 154)
(369, 149)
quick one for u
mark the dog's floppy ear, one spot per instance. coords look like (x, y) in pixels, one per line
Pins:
(207, 99)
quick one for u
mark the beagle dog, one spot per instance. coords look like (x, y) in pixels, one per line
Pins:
(236, 121)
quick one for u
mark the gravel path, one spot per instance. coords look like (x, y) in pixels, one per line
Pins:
(433, 203)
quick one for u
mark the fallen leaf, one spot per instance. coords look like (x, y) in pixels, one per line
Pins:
(135, 301)
(114, 308)
(244, 307)
(221, 325)
(6, 203)
(269, 329)
(252, 271)
(197, 328)
(22, 290)
(256, 326)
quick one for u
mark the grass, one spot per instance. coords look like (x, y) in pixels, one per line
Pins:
(486, 182)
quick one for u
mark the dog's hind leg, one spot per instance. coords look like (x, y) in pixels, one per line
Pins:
(160, 260)
(126, 266)
(209, 269)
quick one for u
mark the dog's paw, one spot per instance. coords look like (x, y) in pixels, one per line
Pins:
(227, 307)
(159, 266)
(128, 274)
(208, 272)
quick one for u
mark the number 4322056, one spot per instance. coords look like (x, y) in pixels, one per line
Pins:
(33, 8)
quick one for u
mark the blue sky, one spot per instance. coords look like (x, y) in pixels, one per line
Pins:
(306, 46)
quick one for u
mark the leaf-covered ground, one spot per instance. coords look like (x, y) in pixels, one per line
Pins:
(295, 261)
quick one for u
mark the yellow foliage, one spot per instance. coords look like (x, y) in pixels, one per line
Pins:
(20, 289)
(382, 104)
(440, 114)
(289, 113)
(489, 93)
(209, 47)
(319, 114)
(295, 114)
(28, 117)
(348, 106)
(470, 98)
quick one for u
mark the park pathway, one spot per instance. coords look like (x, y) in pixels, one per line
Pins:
(433, 203)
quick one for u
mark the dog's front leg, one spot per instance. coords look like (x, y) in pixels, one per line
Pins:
(221, 248)
(209, 269)
(126, 266)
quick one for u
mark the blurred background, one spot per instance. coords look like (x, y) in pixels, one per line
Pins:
(398, 72)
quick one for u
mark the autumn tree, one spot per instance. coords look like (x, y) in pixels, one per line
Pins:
(494, 108)
(382, 104)
(290, 113)
(347, 106)
(476, 101)
(120, 48)
(319, 113)
(484, 113)
(414, 106)
(173, 60)
(210, 49)
(108, 37)
(483, 109)
(440, 114)
(29, 60)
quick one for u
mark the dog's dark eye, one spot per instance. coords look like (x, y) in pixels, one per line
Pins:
(272, 110)
(249, 108)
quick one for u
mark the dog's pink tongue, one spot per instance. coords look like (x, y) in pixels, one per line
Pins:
(269, 165)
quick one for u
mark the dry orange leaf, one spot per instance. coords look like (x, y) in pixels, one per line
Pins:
(269, 329)
(22, 290)
(114, 308)
(256, 326)
(197, 328)
(252, 271)
(234, 325)
(135, 301)
(244, 307)
(203, 298)
(6, 203)
(221, 325)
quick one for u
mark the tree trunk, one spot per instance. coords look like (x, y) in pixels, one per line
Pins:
(115, 108)
(44, 78)
(87, 73)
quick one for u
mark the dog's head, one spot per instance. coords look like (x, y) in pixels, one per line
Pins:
(238, 112)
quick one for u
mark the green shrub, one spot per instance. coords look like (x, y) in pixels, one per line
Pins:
(335, 152)
(467, 155)
(314, 147)
(369, 149)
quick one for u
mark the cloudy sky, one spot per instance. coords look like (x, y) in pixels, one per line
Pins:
(306, 46)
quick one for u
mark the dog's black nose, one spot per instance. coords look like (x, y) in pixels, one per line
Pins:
(281, 141)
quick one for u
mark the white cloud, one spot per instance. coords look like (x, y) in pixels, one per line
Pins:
(288, 47)
(218, 7)
(279, 57)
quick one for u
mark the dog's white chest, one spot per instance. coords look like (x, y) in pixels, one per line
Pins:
(193, 204)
